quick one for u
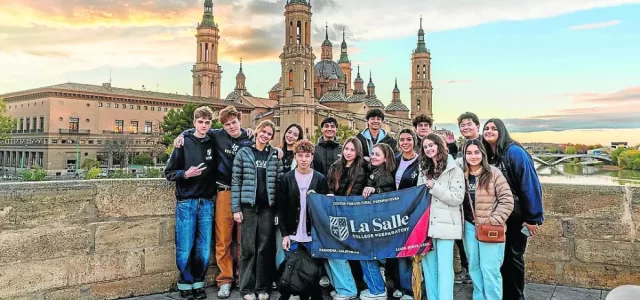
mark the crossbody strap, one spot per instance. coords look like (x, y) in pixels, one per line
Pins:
(473, 210)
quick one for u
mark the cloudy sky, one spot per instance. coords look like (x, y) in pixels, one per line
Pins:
(559, 71)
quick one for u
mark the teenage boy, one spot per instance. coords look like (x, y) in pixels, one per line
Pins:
(469, 125)
(374, 133)
(192, 167)
(229, 140)
(295, 224)
(328, 150)
(423, 125)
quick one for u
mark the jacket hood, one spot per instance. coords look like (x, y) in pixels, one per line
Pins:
(451, 163)
(367, 134)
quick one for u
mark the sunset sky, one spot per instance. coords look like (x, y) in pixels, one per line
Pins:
(555, 71)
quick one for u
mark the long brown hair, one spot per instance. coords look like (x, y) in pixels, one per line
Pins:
(430, 170)
(486, 176)
(339, 167)
(389, 164)
(283, 143)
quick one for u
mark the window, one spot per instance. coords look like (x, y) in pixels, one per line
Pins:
(146, 107)
(133, 128)
(212, 86)
(116, 105)
(108, 105)
(305, 79)
(159, 108)
(91, 142)
(290, 78)
(42, 123)
(119, 126)
(153, 108)
(21, 125)
(54, 141)
(148, 127)
(131, 106)
(74, 124)
(424, 71)
(166, 109)
(138, 107)
(99, 104)
(28, 124)
(298, 32)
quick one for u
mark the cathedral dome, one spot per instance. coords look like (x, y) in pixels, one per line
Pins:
(233, 96)
(373, 102)
(357, 98)
(333, 96)
(324, 68)
(276, 87)
(327, 43)
(396, 106)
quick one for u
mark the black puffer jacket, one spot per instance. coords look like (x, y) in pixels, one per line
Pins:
(326, 153)
(381, 180)
(343, 185)
(288, 203)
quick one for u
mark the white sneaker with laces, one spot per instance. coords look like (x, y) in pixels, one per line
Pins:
(324, 282)
(397, 294)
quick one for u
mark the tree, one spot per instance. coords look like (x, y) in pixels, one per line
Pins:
(118, 148)
(176, 122)
(89, 163)
(92, 173)
(156, 151)
(35, 174)
(342, 134)
(461, 139)
(570, 150)
(143, 159)
(629, 159)
(616, 153)
(7, 123)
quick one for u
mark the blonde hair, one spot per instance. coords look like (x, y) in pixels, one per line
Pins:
(203, 112)
(266, 123)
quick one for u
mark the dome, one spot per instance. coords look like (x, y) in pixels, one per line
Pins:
(327, 43)
(373, 102)
(276, 87)
(298, 2)
(371, 84)
(233, 96)
(325, 68)
(333, 96)
(357, 98)
(396, 106)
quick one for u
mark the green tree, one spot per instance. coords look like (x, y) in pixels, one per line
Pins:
(570, 150)
(176, 122)
(89, 163)
(7, 123)
(616, 153)
(35, 174)
(629, 159)
(92, 173)
(342, 134)
(143, 159)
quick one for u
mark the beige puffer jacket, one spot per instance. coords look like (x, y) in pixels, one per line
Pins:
(495, 203)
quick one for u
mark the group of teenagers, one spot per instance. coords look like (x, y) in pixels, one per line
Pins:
(232, 184)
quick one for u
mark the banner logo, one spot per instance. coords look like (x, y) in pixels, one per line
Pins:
(339, 228)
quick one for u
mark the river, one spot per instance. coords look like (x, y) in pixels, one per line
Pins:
(587, 174)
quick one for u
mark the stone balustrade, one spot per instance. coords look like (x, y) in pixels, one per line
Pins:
(106, 239)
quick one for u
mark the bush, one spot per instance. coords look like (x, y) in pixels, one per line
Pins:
(90, 163)
(153, 173)
(143, 159)
(92, 173)
(119, 174)
(163, 158)
(629, 159)
(35, 174)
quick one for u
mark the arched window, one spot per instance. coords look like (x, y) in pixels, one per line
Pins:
(212, 86)
(290, 32)
(200, 52)
(199, 89)
(417, 71)
(424, 71)
(298, 32)
(290, 78)
(213, 53)
(305, 79)
(206, 52)
(418, 104)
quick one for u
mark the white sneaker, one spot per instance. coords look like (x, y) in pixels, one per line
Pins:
(324, 282)
(333, 293)
(297, 298)
(342, 297)
(397, 294)
(406, 297)
(366, 295)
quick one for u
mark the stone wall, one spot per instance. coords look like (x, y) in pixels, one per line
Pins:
(107, 239)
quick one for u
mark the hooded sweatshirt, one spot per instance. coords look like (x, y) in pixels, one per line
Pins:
(368, 142)
(194, 152)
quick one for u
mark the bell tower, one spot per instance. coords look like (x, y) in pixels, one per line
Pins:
(421, 88)
(207, 72)
(297, 103)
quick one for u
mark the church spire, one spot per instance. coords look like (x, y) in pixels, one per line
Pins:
(421, 48)
(344, 56)
(207, 17)
(327, 46)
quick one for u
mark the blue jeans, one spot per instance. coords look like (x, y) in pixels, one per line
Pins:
(437, 266)
(485, 260)
(194, 226)
(339, 273)
(373, 276)
(280, 254)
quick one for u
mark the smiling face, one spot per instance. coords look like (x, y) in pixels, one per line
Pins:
(375, 123)
(377, 157)
(303, 160)
(329, 131)
(202, 126)
(423, 129)
(406, 143)
(473, 155)
(265, 135)
(292, 135)
(469, 129)
(232, 127)
(490, 133)
(430, 148)
(349, 152)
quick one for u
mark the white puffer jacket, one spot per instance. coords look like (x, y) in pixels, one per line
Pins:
(446, 218)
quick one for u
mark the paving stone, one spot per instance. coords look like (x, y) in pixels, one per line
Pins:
(604, 295)
(571, 293)
(466, 293)
(534, 291)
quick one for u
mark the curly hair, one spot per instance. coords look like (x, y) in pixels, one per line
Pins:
(303, 146)
(431, 170)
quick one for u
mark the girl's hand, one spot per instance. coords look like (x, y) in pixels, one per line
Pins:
(368, 191)
(238, 217)
(286, 243)
(430, 183)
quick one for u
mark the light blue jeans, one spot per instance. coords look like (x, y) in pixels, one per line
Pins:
(485, 260)
(280, 254)
(437, 266)
(373, 276)
(339, 273)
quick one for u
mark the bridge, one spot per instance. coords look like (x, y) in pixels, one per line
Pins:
(565, 157)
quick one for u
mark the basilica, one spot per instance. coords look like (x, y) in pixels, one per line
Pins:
(308, 91)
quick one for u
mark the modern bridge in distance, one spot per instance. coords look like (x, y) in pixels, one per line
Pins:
(564, 157)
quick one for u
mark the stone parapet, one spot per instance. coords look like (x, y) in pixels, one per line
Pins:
(107, 239)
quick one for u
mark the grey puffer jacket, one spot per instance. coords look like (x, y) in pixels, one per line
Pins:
(243, 180)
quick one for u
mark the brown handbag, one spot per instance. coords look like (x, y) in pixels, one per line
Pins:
(486, 233)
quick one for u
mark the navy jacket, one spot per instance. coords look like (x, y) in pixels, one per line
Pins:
(194, 152)
(226, 149)
(410, 175)
(288, 203)
(517, 166)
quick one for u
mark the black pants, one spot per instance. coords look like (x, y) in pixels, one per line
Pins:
(513, 266)
(257, 250)
(463, 255)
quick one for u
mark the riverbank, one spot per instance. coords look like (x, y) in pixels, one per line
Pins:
(611, 168)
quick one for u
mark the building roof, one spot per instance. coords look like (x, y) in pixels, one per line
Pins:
(276, 87)
(236, 93)
(357, 98)
(396, 106)
(324, 68)
(291, 2)
(333, 96)
(373, 102)
(261, 102)
(121, 92)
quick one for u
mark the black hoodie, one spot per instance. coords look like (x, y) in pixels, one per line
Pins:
(194, 152)
(326, 153)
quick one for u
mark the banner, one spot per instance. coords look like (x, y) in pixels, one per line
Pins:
(381, 226)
